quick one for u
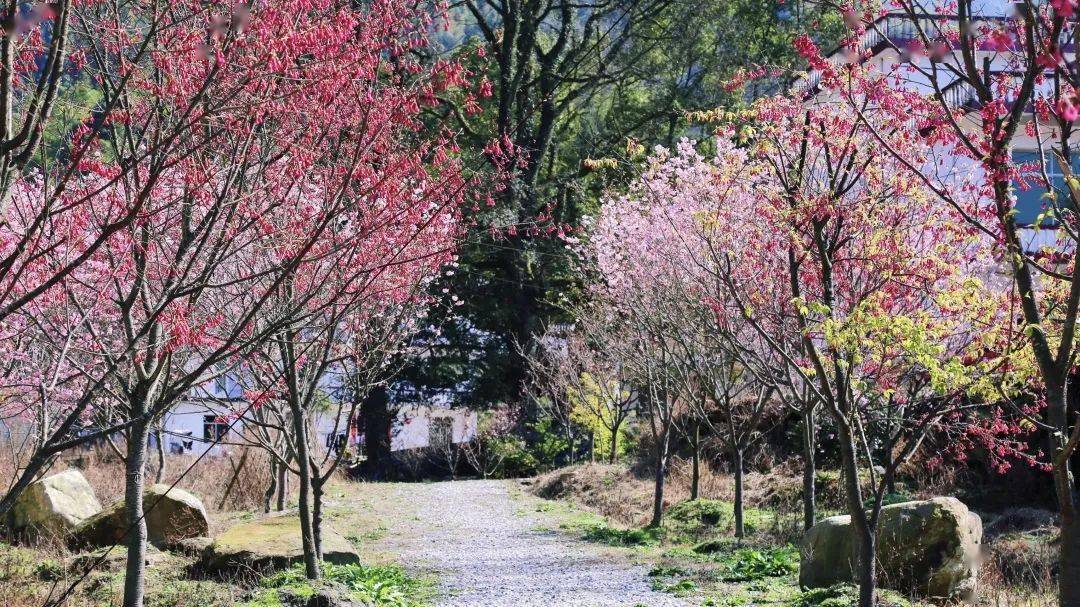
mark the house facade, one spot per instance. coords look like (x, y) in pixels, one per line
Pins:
(215, 417)
(882, 48)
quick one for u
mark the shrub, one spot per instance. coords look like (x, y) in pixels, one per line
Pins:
(702, 512)
(1025, 560)
(888, 500)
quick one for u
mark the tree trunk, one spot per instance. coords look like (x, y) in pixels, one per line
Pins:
(695, 476)
(737, 464)
(613, 455)
(282, 487)
(1064, 489)
(303, 459)
(317, 513)
(134, 467)
(864, 545)
(569, 444)
(376, 418)
(867, 565)
(658, 489)
(159, 475)
(1069, 577)
(271, 489)
(809, 497)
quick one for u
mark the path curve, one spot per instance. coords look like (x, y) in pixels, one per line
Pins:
(490, 550)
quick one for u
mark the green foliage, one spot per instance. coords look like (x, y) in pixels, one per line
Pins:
(603, 534)
(840, 595)
(888, 500)
(691, 520)
(49, 570)
(548, 443)
(595, 409)
(381, 586)
(16, 563)
(702, 512)
(751, 564)
(678, 588)
(844, 595)
(678, 60)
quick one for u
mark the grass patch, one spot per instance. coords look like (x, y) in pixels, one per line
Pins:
(371, 535)
(772, 591)
(380, 586)
(603, 534)
(752, 564)
(844, 595)
(688, 522)
(678, 588)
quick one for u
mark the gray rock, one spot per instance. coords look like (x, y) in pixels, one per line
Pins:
(930, 548)
(171, 515)
(270, 544)
(54, 505)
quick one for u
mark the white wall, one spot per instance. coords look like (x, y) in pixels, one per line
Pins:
(413, 426)
(184, 424)
(184, 430)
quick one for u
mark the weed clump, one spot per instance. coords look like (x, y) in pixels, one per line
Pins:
(844, 595)
(752, 564)
(648, 536)
(383, 586)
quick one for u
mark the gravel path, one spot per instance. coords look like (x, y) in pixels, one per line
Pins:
(489, 549)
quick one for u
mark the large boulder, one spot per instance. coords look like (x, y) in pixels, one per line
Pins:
(171, 515)
(54, 505)
(927, 547)
(270, 544)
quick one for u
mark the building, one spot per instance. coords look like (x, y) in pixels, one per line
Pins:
(215, 417)
(881, 48)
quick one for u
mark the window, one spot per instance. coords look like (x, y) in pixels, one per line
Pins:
(441, 431)
(213, 428)
(1032, 202)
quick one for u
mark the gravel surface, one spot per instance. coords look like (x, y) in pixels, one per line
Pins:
(490, 549)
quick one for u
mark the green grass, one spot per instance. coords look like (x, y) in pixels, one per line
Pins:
(682, 587)
(844, 595)
(380, 586)
(752, 564)
(690, 521)
(613, 536)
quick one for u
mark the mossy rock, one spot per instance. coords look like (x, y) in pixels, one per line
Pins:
(54, 505)
(927, 547)
(270, 544)
(171, 515)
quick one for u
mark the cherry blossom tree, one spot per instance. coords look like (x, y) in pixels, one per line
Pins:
(804, 223)
(876, 271)
(316, 110)
(369, 295)
(993, 83)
